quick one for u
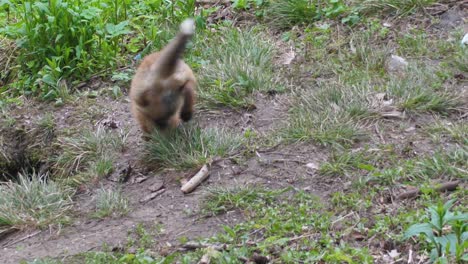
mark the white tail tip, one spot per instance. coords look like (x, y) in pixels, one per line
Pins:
(188, 26)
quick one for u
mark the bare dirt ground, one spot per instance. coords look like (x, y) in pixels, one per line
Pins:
(276, 168)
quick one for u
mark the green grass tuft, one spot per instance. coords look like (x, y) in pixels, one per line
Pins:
(329, 114)
(111, 203)
(34, 201)
(80, 151)
(457, 132)
(284, 14)
(422, 90)
(396, 7)
(190, 146)
(239, 64)
(221, 200)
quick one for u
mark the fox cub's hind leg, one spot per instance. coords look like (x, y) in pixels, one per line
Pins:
(162, 92)
(189, 101)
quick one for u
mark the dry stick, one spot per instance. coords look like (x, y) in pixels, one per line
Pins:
(152, 196)
(205, 259)
(195, 180)
(448, 186)
(22, 239)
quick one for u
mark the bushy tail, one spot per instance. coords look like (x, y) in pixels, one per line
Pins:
(171, 53)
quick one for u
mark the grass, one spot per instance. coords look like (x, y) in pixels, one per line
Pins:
(342, 164)
(110, 203)
(397, 7)
(239, 63)
(422, 90)
(328, 114)
(34, 201)
(79, 151)
(190, 147)
(47, 127)
(455, 132)
(442, 165)
(221, 200)
(284, 14)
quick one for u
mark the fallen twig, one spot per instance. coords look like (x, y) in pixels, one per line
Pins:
(195, 180)
(195, 245)
(151, 196)
(448, 186)
(23, 238)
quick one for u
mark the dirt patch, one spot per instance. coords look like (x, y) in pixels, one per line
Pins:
(178, 214)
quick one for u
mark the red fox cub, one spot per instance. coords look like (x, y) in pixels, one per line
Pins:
(162, 91)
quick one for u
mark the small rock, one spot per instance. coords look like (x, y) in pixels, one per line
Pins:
(156, 186)
(396, 64)
(465, 40)
(393, 254)
(312, 166)
(140, 179)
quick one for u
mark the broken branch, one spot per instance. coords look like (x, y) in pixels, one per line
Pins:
(152, 196)
(448, 186)
(195, 180)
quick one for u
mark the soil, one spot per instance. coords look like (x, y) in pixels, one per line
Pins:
(174, 211)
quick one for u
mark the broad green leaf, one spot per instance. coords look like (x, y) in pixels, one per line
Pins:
(448, 241)
(458, 217)
(417, 229)
(449, 204)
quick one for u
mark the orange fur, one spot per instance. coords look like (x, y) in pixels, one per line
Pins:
(162, 92)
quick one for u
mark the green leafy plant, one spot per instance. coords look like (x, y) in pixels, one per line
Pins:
(72, 40)
(446, 232)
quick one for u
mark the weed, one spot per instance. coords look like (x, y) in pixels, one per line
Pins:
(414, 44)
(221, 200)
(190, 147)
(447, 244)
(328, 115)
(98, 146)
(284, 14)
(461, 59)
(366, 55)
(110, 203)
(442, 164)
(103, 166)
(457, 132)
(68, 40)
(341, 164)
(34, 201)
(422, 91)
(240, 63)
(397, 7)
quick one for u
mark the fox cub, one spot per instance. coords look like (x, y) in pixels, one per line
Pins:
(162, 91)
